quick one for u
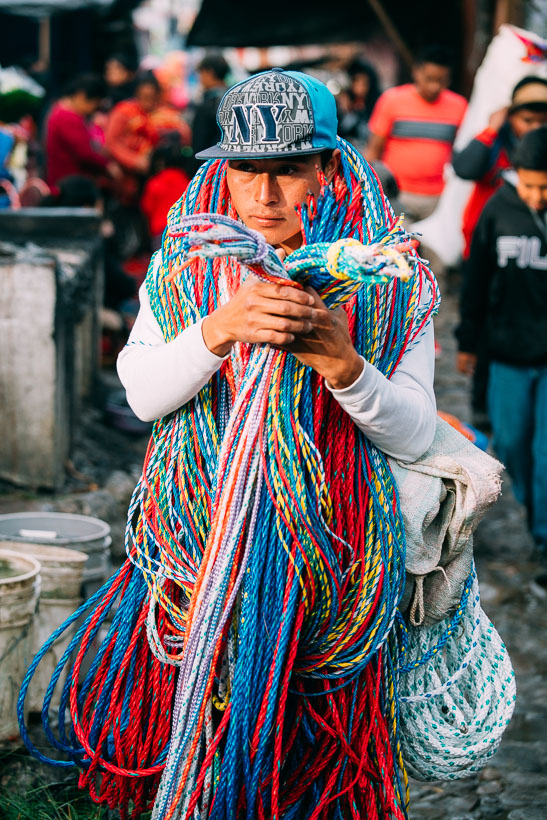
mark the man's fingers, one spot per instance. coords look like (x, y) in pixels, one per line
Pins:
(286, 324)
(317, 301)
(293, 310)
(274, 337)
(283, 307)
(289, 293)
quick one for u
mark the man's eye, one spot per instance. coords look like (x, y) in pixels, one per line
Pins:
(245, 167)
(287, 170)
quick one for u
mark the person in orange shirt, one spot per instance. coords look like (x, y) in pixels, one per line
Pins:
(413, 127)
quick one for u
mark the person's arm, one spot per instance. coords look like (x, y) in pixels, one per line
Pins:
(375, 147)
(380, 125)
(476, 159)
(477, 275)
(159, 376)
(77, 138)
(115, 142)
(398, 415)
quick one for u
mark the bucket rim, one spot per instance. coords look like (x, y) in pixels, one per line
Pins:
(25, 576)
(59, 554)
(103, 527)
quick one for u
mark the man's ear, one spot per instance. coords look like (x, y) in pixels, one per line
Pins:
(333, 165)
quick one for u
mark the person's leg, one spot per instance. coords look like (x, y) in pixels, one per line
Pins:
(479, 388)
(511, 409)
(539, 455)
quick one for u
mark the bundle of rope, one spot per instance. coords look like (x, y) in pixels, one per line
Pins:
(265, 547)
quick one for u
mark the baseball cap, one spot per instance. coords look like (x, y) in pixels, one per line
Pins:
(532, 91)
(275, 113)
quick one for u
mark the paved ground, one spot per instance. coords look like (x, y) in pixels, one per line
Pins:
(514, 786)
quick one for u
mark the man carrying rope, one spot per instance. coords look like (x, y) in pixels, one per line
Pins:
(285, 703)
(284, 345)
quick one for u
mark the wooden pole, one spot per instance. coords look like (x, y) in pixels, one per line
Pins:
(508, 11)
(44, 41)
(392, 32)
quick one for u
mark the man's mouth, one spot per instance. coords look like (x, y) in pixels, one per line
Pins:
(267, 221)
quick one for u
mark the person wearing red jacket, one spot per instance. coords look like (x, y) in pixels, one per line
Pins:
(168, 182)
(70, 148)
(490, 152)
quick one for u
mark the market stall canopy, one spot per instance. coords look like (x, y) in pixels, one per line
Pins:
(285, 22)
(45, 8)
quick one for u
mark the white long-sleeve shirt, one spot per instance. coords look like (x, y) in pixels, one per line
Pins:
(397, 415)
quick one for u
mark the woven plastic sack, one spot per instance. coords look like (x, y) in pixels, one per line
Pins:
(457, 694)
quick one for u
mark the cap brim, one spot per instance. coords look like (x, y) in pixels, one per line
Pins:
(217, 152)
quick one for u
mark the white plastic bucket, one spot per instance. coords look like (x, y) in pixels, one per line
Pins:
(60, 596)
(19, 591)
(76, 532)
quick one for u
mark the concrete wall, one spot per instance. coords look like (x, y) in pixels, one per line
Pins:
(50, 295)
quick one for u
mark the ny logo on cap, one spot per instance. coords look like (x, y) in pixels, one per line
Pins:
(268, 115)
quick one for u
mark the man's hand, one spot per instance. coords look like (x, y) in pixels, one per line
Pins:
(114, 170)
(285, 316)
(328, 348)
(466, 363)
(260, 312)
(497, 119)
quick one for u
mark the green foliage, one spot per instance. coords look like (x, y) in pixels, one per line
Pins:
(55, 802)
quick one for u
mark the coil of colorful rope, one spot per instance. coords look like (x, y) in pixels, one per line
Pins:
(253, 661)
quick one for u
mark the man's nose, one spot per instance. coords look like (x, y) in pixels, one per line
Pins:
(266, 189)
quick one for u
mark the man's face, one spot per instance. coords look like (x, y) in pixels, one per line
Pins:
(116, 73)
(525, 120)
(265, 193)
(84, 105)
(532, 188)
(148, 97)
(208, 78)
(360, 85)
(430, 79)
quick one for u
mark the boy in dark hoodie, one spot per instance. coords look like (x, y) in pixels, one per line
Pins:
(505, 292)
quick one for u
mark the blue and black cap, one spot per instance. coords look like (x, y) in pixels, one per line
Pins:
(275, 113)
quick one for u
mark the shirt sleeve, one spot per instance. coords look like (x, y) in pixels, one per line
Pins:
(477, 274)
(159, 376)
(75, 134)
(381, 120)
(476, 159)
(398, 415)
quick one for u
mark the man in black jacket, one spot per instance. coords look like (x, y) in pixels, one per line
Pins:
(505, 292)
(212, 71)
